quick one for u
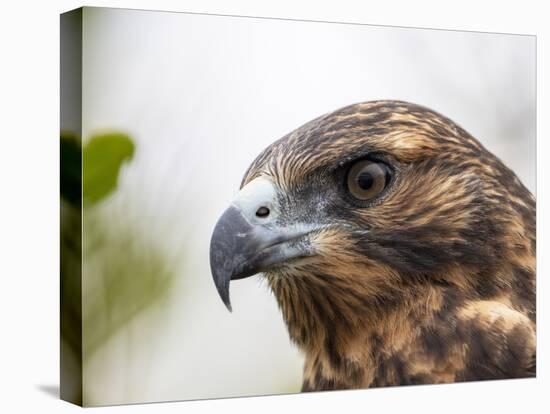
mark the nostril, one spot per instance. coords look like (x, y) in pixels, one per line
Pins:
(262, 212)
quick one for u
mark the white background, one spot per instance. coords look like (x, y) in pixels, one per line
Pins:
(201, 96)
(29, 219)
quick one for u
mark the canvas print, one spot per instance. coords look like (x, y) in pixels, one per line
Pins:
(262, 206)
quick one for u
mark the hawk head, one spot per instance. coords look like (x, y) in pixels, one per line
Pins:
(352, 213)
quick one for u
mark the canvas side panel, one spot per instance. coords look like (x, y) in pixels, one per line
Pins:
(71, 206)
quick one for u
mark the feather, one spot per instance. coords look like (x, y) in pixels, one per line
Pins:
(431, 282)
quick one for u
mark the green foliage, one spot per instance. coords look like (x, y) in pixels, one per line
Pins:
(103, 156)
(125, 273)
(111, 271)
(70, 298)
(71, 168)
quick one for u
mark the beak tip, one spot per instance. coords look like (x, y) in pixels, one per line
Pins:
(222, 279)
(222, 286)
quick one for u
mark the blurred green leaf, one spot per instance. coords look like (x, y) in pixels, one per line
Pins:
(124, 275)
(103, 156)
(71, 168)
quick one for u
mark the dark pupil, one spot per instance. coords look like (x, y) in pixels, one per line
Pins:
(365, 180)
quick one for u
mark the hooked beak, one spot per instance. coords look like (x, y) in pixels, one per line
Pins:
(243, 244)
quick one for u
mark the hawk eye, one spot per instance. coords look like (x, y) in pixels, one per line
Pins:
(366, 179)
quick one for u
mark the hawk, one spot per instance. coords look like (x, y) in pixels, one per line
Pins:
(399, 249)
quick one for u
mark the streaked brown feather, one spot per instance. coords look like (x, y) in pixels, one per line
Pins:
(441, 288)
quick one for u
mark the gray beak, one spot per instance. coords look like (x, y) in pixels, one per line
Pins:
(243, 244)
